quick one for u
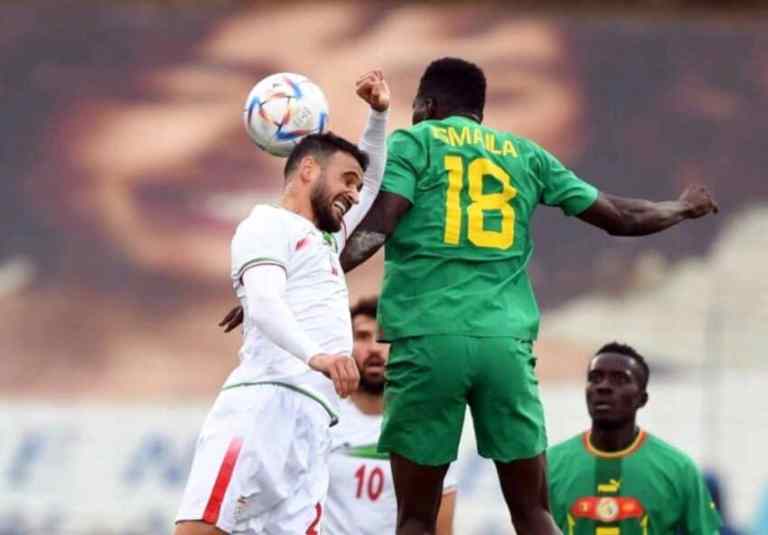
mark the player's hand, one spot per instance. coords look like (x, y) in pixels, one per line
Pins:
(372, 88)
(340, 369)
(233, 318)
(698, 201)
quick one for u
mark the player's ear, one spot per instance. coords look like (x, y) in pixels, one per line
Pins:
(643, 399)
(430, 106)
(308, 168)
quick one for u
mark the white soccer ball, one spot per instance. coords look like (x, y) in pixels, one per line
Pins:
(282, 109)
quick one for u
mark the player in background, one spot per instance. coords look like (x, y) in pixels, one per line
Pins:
(260, 466)
(617, 477)
(457, 304)
(361, 497)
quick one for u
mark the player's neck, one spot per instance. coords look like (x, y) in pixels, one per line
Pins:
(614, 438)
(368, 403)
(298, 204)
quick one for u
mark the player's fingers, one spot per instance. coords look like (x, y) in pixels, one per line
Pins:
(337, 383)
(352, 376)
(347, 375)
(367, 77)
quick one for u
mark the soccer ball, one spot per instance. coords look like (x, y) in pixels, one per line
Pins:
(282, 109)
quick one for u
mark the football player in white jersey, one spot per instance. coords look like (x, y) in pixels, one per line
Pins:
(260, 466)
(361, 497)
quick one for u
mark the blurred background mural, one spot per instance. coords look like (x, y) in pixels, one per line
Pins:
(125, 168)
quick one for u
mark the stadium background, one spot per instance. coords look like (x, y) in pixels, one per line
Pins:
(125, 167)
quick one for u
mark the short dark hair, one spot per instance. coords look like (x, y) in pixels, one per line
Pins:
(457, 83)
(628, 351)
(323, 146)
(367, 306)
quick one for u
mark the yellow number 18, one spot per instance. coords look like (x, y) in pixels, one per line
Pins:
(481, 203)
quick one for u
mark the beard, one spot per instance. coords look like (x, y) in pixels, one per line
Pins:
(322, 206)
(371, 387)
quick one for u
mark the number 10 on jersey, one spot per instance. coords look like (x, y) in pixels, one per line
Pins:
(480, 203)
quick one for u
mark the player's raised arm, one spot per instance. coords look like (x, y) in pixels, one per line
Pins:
(373, 89)
(374, 230)
(618, 216)
(406, 159)
(621, 216)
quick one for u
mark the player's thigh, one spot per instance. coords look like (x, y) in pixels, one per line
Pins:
(425, 398)
(418, 488)
(524, 482)
(296, 516)
(504, 400)
(253, 453)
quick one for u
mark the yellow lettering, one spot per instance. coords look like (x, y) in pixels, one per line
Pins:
(440, 134)
(490, 144)
(478, 139)
(509, 148)
(457, 139)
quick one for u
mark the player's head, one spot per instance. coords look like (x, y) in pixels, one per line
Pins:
(617, 378)
(450, 86)
(329, 170)
(370, 355)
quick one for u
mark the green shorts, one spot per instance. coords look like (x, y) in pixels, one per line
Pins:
(431, 380)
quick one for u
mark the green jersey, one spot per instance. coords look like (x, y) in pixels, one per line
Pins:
(456, 263)
(651, 488)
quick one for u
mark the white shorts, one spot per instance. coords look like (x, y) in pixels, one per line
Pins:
(261, 463)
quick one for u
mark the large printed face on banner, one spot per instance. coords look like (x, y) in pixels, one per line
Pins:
(164, 179)
(125, 202)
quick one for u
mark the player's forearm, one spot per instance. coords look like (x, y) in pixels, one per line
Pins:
(374, 143)
(638, 217)
(360, 246)
(269, 313)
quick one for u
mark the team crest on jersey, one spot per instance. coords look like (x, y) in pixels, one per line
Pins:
(607, 509)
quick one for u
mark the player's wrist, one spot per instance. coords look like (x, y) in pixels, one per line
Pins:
(379, 112)
(686, 208)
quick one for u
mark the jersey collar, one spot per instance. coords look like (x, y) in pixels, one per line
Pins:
(639, 439)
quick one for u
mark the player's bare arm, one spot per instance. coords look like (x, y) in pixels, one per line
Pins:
(373, 231)
(621, 216)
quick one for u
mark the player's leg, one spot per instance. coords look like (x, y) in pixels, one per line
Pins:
(425, 402)
(241, 481)
(509, 426)
(524, 485)
(419, 489)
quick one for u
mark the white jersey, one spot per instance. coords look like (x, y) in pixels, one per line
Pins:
(316, 292)
(361, 495)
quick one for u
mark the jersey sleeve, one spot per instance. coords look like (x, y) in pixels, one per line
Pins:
(561, 187)
(700, 515)
(257, 242)
(406, 160)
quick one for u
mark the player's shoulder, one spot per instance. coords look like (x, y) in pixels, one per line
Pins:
(567, 449)
(663, 450)
(266, 219)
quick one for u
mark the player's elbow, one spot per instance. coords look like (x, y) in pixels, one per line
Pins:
(261, 311)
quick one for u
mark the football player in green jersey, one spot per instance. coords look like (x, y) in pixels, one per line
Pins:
(457, 304)
(619, 479)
